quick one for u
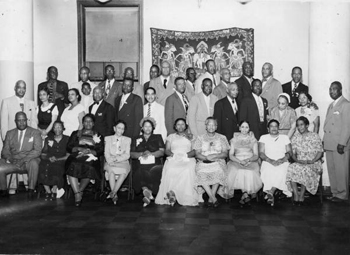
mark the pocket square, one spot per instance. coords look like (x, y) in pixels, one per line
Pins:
(336, 112)
(31, 139)
(99, 114)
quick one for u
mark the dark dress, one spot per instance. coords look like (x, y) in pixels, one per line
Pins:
(52, 173)
(44, 117)
(80, 167)
(147, 175)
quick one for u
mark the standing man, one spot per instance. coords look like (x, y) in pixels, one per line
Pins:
(84, 75)
(294, 87)
(17, 103)
(254, 109)
(244, 82)
(164, 84)
(103, 112)
(58, 90)
(210, 73)
(201, 107)
(20, 154)
(336, 141)
(271, 87)
(138, 90)
(110, 87)
(154, 72)
(176, 105)
(191, 77)
(129, 108)
(221, 90)
(156, 111)
(226, 112)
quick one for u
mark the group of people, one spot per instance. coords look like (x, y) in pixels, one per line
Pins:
(215, 135)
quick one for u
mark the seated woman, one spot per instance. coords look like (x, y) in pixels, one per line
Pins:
(274, 150)
(85, 146)
(53, 158)
(179, 169)
(243, 168)
(147, 149)
(117, 154)
(47, 113)
(211, 152)
(285, 115)
(307, 152)
(309, 110)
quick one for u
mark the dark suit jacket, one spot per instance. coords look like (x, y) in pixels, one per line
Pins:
(244, 88)
(114, 92)
(62, 88)
(131, 113)
(294, 99)
(227, 120)
(104, 118)
(145, 87)
(174, 109)
(249, 112)
(31, 146)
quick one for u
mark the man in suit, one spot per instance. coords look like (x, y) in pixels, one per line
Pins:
(221, 90)
(210, 73)
(294, 87)
(226, 111)
(191, 77)
(110, 87)
(176, 105)
(271, 87)
(58, 90)
(156, 111)
(103, 112)
(129, 108)
(336, 142)
(138, 90)
(163, 84)
(201, 107)
(254, 109)
(20, 154)
(84, 75)
(244, 82)
(154, 72)
(17, 103)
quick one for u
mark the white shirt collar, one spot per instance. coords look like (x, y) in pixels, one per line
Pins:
(110, 82)
(20, 99)
(337, 100)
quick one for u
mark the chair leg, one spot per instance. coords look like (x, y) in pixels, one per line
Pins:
(320, 187)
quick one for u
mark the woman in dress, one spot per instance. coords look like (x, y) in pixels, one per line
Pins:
(307, 153)
(73, 114)
(53, 158)
(47, 113)
(117, 154)
(178, 175)
(211, 152)
(85, 147)
(285, 115)
(274, 150)
(147, 150)
(243, 168)
(309, 110)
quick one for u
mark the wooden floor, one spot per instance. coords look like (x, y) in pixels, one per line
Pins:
(59, 227)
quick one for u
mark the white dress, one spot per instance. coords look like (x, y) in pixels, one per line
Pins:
(70, 119)
(178, 173)
(275, 176)
(310, 113)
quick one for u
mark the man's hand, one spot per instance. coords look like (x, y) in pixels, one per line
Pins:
(340, 149)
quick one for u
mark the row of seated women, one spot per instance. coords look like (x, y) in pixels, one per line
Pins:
(193, 166)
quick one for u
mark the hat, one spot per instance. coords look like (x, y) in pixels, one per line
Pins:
(285, 95)
(149, 119)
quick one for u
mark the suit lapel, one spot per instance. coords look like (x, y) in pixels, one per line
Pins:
(228, 106)
(128, 102)
(201, 98)
(178, 99)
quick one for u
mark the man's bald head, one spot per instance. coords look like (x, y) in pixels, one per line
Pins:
(97, 94)
(20, 88)
(21, 120)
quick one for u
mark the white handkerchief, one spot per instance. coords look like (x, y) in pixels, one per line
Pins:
(31, 140)
(149, 160)
(60, 193)
(336, 113)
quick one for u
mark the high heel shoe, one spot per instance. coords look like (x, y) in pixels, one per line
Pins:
(115, 199)
(270, 199)
(77, 200)
(148, 193)
(171, 197)
(146, 201)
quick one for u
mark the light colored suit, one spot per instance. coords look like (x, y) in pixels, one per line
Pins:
(114, 92)
(190, 92)
(198, 113)
(138, 90)
(174, 109)
(9, 107)
(162, 93)
(113, 153)
(157, 113)
(220, 91)
(337, 131)
(198, 82)
(270, 92)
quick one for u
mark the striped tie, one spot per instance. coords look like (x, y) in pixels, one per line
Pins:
(149, 110)
(185, 101)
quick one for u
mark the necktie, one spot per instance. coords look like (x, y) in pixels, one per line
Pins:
(185, 101)
(121, 102)
(20, 139)
(234, 106)
(214, 82)
(22, 106)
(261, 110)
(108, 87)
(164, 83)
(149, 110)
(295, 87)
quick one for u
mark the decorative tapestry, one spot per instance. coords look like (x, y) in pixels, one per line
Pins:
(229, 48)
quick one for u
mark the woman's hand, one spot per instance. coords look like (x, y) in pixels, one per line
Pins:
(244, 162)
(145, 154)
(211, 157)
(53, 159)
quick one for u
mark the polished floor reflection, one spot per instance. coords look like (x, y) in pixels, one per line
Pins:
(59, 227)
